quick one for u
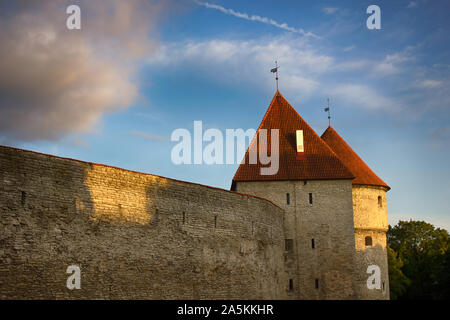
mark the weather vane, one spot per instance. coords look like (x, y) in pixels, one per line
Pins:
(275, 70)
(327, 109)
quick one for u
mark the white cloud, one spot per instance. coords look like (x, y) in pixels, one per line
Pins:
(304, 71)
(265, 20)
(429, 84)
(330, 10)
(362, 96)
(250, 61)
(412, 4)
(55, 82)
(349, 48)
(353, 65)
(392, 63)
(149, 136)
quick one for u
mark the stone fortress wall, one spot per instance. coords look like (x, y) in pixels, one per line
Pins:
(134, 235)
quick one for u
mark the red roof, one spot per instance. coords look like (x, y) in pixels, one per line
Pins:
(363, 174)
(320, 162)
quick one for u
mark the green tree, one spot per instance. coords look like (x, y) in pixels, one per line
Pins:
(398, 282)
(423, 250)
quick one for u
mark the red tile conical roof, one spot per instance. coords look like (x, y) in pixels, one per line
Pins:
(319, 162)
(363, 174)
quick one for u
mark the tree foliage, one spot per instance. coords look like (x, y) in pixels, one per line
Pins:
(419, 261)
(398, 282)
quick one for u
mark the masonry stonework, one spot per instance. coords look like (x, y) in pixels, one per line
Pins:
(134, 236)
(322, 262)
(309, 231)
(370, 217)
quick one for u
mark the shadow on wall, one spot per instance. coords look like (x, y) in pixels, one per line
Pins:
(134, 236)
(40, 200)
(372, 255)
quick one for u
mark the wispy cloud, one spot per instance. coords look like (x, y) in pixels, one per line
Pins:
(389, 85)
(300, 65)
(149, 136)
(412, 4)
(265, 20)
(330, 10)
(441, 133)
(429, 84)
(363, 96)
(391, 64)
(349, 48)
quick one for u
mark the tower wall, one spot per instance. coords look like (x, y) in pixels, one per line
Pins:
(370, 217)
(329, 221)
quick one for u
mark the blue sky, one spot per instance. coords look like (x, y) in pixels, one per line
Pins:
(388, 88)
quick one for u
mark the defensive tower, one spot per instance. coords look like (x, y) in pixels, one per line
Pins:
(314, 188)
(370, 217)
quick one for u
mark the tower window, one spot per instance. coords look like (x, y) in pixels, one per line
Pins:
(368, 241)
(310, 198)
(313, 245)
(317, 283)
(288, 198)
(380, 202)
(215, 222)
(291, 285)
(184, 217)
(288, 245)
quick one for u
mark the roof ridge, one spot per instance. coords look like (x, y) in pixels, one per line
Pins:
(331, 131)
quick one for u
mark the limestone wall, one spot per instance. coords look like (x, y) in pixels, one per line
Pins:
(329, 221)
(134, 235)
(371, 220)
(369, 212)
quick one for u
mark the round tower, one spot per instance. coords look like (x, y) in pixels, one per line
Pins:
(370, 221)
(371, 224)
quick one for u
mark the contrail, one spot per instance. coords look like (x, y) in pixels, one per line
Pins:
(245, 16)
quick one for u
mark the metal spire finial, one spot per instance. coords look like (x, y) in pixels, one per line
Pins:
(327, 109)
(275, 70)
